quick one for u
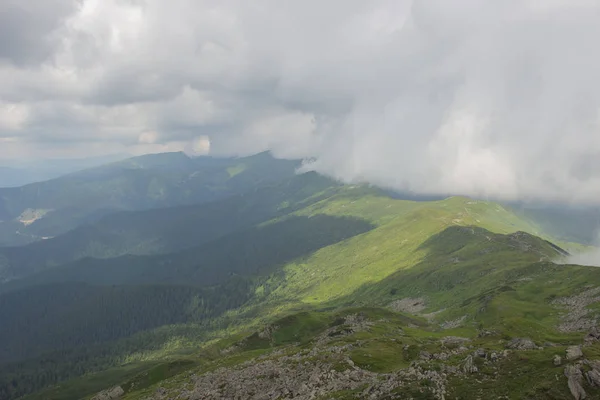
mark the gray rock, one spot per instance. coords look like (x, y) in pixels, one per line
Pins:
(480, 353)
(557, 360)
(592, 337)
(574, 377)
(574, 352)
(521, 344)
(593, 377)
(454, 341)
(110, 394)
(469, 366)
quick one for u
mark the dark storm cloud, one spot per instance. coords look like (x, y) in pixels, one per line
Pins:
(27, 29)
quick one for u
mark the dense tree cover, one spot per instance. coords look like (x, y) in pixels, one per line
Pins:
(74, 326)
(145, 182)
(61, 331)
(166, 230)
(255, 251)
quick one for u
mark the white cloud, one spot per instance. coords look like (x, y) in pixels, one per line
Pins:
(488, 98)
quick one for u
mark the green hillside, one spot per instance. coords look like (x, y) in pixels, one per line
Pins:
(333, 273)
(161, 231)
(47, 209)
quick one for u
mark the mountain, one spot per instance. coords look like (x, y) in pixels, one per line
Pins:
(307, 288)
(14, 173)
(167, 230)
(47, 209)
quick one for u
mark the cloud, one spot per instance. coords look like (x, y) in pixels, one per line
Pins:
(484, 98)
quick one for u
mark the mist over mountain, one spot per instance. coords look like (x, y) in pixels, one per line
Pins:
(17, 172)
(392, 199)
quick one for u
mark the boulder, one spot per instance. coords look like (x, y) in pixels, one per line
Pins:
(469, 366)
(574, 352)
(592, 336)
(574, 376)
(522, 344)
(557, 360)
(593, 377)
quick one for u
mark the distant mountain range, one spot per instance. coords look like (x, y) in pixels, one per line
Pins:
(41, 210)
(15, 173)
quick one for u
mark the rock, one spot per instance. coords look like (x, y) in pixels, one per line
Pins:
(469, 366)
(494, 356)
(480, 353)
(454, 341)
(593, 377)
(409, 304)
(557, 360)
(521, 344)
(425, 355)
(574, 376)
(592, 336)
(110, 394)
(574, 352)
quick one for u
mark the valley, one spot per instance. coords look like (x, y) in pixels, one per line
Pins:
(302, 287)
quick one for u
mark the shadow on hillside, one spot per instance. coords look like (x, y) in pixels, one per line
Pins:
(257, 251)
(458, 262)
(137, 304)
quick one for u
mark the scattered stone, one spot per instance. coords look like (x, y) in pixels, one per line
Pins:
(574, 352)
(454, 341)
(480, 353)
(574, 377)
(522, 344)
(455, 323)
(110, 394)
(577, 317)
(300, 377)
(409, 305)
(486, 333)
(469, 366)
(494, 357)
(557, 360)
(592, 337)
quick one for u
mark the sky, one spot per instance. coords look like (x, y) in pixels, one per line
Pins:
(485, 98)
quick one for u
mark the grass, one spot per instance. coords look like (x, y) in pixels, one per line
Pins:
(454, 253)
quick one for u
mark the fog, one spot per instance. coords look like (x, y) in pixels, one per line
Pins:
(493, 99)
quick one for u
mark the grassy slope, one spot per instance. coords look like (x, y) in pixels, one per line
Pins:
(509, 299)
(404, 257)
(166, 230)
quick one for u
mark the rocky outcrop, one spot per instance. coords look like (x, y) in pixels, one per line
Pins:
(300, 378)
(455, 323)
(521, 344)
(574, 377)
(110, 394)
(593, 377)
(454, 341)
(592, 336)
(469, 366)
(409, 305)
(577, 317)
(574, 352)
